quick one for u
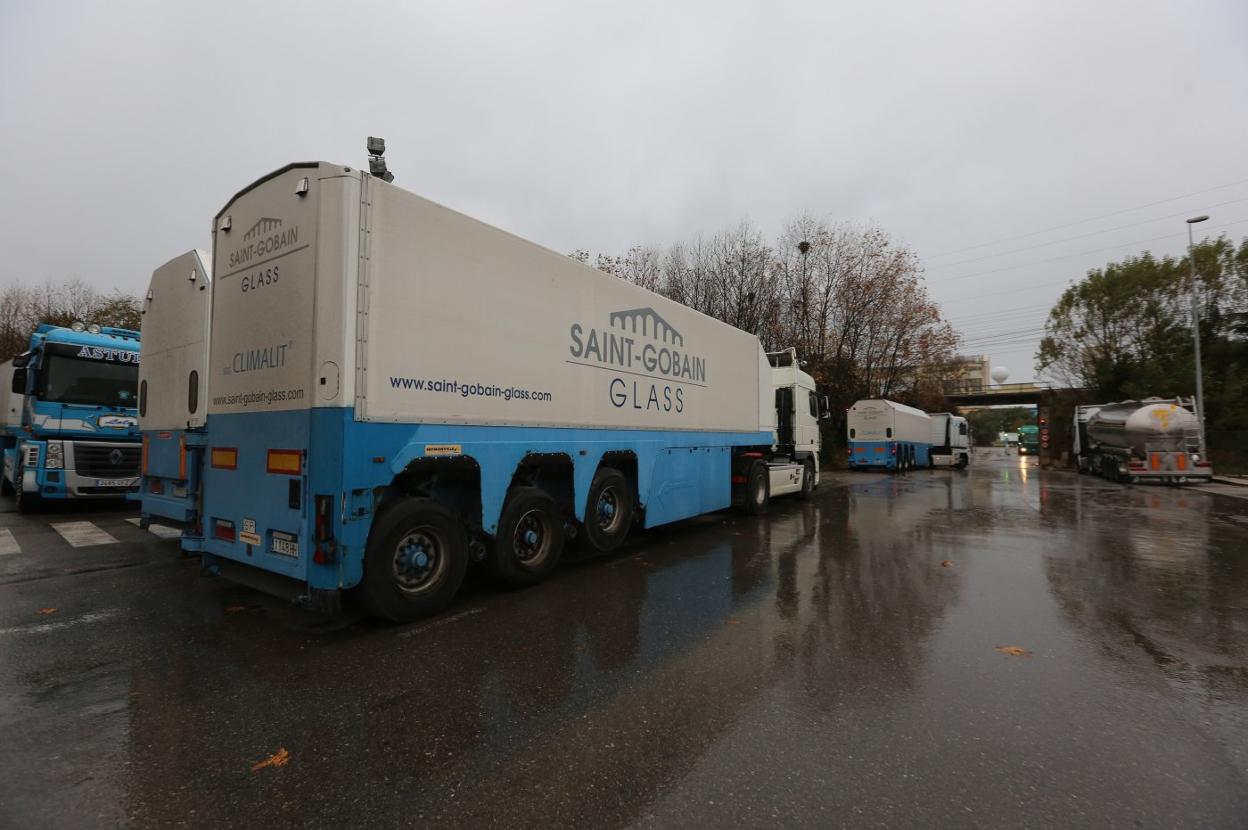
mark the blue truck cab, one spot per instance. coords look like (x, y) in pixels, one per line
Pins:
(172, 394)
(70, 415)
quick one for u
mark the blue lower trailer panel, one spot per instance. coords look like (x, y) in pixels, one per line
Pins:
(263, 517)
(886, 454)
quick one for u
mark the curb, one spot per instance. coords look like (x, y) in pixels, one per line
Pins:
(1237, 482)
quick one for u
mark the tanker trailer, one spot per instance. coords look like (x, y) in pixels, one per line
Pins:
(1156, 439)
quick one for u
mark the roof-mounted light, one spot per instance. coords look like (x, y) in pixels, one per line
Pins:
(94, 328)
(78, 326)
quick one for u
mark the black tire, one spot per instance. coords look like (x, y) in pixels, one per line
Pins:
(808, 480)
(608, 510)
(757, 496)
(530, 538)
(416, 560)
(963, 461)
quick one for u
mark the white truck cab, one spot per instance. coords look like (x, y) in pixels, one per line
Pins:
(795, 458)
(951, 441)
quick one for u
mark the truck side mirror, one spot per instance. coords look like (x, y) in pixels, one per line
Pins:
(825, 409)
(18, 386)
(20, 361)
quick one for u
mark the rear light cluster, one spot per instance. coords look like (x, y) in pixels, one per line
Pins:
(224, 529)
(284, 462)
(280, 462)
(224, 458)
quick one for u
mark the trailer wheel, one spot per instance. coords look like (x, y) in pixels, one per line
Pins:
(416, 560)
(963, 461)
(757, 489)
(808, 480)
(530, 539)
(608, 510)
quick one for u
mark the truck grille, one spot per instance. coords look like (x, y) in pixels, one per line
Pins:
(106, 460)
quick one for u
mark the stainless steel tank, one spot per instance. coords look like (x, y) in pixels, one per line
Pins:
(1138, 425)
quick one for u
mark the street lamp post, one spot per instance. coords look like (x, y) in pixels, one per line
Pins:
(1200, 381)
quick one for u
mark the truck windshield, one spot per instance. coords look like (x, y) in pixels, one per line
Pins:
(91, 382)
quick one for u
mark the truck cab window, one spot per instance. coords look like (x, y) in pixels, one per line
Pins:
(814, 404)
(74, 380)
(852, 432)
(888, 432)
(961, 429)
(192, 394)
(143, 399)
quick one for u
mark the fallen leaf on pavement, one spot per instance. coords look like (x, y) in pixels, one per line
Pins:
(948, 563)
(47, 610)
(1014, 651)
(734, 622)
(230, 609)
(278, 759)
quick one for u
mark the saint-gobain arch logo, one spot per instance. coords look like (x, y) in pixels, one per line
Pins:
(637, 340)
(266, 237)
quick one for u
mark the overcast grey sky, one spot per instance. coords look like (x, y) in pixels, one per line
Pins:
(125, 126)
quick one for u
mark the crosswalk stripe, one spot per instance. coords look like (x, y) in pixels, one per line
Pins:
(163, 531)
(82, 534)
(8, 545)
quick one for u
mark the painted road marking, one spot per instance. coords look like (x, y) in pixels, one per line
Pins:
(83, 534)
(8, 545)
(163, 531)
(42, 628)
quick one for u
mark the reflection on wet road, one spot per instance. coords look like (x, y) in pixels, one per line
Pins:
(842, 662)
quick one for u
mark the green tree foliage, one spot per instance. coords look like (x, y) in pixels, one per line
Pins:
(988, 424)
(848, 298)
(1124, 331)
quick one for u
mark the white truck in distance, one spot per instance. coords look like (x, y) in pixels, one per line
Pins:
(396, 389)
(951, 441)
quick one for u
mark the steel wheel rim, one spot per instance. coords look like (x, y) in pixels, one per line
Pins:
(607, 511)
(532, 537)
(419, 560)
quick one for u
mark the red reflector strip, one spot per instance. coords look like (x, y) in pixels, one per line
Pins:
(285, 462)
(224, 458)
(143, 460)
(739, 479)
(182, 457)
(223, 530)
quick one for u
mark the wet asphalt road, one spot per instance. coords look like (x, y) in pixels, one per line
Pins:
(839, 663)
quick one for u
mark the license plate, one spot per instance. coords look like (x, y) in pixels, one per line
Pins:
(114, 482)
(285, 544)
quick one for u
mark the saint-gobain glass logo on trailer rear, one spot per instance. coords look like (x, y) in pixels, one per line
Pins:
(265, 237)
(642, 344)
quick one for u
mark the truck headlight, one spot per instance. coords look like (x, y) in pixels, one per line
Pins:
(56, 455)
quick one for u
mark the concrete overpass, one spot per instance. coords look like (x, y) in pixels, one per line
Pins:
(1054, 406)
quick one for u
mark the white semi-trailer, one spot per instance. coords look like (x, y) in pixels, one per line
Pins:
(396, 389)
(173, 398)
(887, 435)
